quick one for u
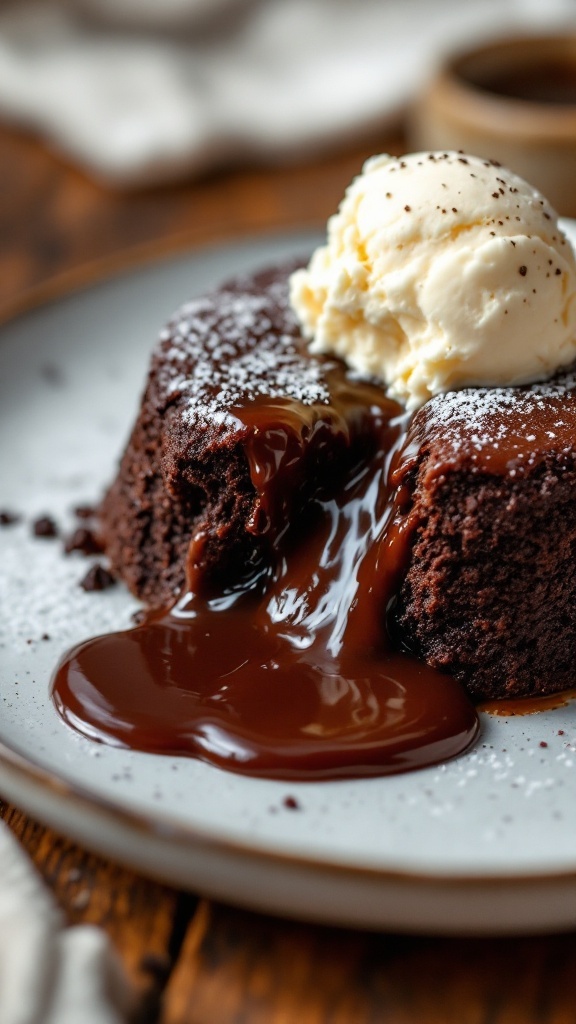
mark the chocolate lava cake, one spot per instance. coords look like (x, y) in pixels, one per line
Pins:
(487, 479)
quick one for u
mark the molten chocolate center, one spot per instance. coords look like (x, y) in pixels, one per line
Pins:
(294, 676)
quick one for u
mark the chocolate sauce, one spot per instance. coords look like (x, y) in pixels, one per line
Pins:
(295, 676)
(510, 707)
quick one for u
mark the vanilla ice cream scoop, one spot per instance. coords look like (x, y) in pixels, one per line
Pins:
(441, 270)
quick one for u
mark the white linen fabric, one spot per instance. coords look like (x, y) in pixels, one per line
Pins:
(145, 91)
(50, 974)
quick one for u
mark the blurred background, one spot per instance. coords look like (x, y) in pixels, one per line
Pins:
(139, 92)
(136, 123)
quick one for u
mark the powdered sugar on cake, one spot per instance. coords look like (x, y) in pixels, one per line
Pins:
(482, 424)
(222, 350)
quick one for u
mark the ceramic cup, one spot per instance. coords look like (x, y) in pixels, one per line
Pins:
(514, 101)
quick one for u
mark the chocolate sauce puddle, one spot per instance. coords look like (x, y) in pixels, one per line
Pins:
(294, 677)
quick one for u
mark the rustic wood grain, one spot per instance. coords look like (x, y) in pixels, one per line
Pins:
(56, 223)
(145, 921)
(236, 967)
(198, 962)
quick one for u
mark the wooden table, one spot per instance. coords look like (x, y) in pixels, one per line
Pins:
(195, 961)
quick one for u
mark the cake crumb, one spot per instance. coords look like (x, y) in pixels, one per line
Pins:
(8, 518)
(85, 511)
(44, 526)
(291, 803)
(84, 541)
(97, 578)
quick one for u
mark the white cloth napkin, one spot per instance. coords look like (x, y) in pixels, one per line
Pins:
(50, 974)
(144, 91)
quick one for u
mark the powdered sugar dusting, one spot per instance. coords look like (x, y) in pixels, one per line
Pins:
(244, 342)
(231, 347)
(518, 424)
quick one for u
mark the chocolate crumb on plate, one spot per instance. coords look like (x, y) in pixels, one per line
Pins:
(97, 578)
(44, 526)
(291, 803)
(85, 511)
(83, 540)
(8, 518)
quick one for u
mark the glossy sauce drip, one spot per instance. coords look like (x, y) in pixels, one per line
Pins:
(295, 677)
(509, 707)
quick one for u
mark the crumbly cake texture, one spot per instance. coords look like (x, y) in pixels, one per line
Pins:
(490, 595)
(184, 470)
(490, 590)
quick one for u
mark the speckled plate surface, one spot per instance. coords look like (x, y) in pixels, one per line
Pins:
(486, 843)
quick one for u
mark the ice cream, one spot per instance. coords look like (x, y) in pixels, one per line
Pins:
(441, 270)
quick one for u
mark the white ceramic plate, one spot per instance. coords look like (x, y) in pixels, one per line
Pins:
(486, 843)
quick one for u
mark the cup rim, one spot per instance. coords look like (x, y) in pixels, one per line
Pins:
(505, 115)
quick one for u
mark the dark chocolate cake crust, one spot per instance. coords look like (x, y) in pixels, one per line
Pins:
(490, 595)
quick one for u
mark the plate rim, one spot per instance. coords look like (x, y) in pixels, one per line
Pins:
(162, 825)
(103, 269)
